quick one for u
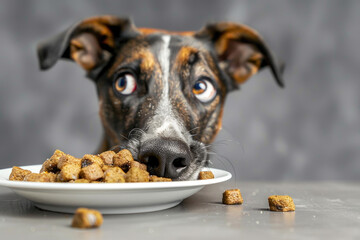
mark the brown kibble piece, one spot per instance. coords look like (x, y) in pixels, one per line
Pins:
(122, 159)
(137, 175)
(107, 157)
(18, 174)
(136, 164)
(154, 178)
(280, 203)
(232, 196)
(205, 175)
(50, 165)
(88, 159)
(40, 177)
(92, 172)
(96, 182)
(52, 176)
(69, 172)
(114, 175)
(68, 159)
(80, 181)
(87, 218)
(106, 167)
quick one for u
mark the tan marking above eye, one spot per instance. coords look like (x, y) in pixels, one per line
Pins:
(134, 53)
(185, 53)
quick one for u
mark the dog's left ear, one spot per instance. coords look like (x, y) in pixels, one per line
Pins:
(90, 43)
(240, 50)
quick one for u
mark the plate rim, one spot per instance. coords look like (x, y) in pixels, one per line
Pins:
(110, 186)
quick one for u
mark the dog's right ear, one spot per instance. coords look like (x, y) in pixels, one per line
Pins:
(241, 51)
(89, 43)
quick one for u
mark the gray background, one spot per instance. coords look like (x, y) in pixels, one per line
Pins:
(309, 131)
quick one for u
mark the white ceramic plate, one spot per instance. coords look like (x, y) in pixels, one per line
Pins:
(109, 198)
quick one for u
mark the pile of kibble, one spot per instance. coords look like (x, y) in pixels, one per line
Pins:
(107, 167)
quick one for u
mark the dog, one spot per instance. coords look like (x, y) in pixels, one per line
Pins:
(161, 93)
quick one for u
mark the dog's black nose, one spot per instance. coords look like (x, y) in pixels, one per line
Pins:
(165, 157)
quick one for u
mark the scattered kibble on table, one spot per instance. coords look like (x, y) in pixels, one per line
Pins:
(87, 218)
(232, 196)
(280, 203)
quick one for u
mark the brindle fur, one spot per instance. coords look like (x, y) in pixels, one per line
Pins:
(124, 48)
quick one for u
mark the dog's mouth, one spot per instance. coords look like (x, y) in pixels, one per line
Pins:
(168, 157)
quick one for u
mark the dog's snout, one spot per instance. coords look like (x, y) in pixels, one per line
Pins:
(165, 157)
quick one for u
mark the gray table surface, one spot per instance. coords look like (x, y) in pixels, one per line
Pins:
(324, 210)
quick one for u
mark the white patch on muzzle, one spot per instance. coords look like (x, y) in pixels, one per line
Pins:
(165, 122)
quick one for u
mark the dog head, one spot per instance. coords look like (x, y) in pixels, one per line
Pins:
(161, 94)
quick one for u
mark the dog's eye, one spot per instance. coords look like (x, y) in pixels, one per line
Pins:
(125, 84)
(204, 90)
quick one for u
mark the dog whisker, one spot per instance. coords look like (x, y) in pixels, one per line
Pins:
(193, 135)
(225, 162)
(235, 139)
(123, 136)
(136, 134)
(212, 153)
(224, 142)
(189, 131)
(136, 131)
(232, 169)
